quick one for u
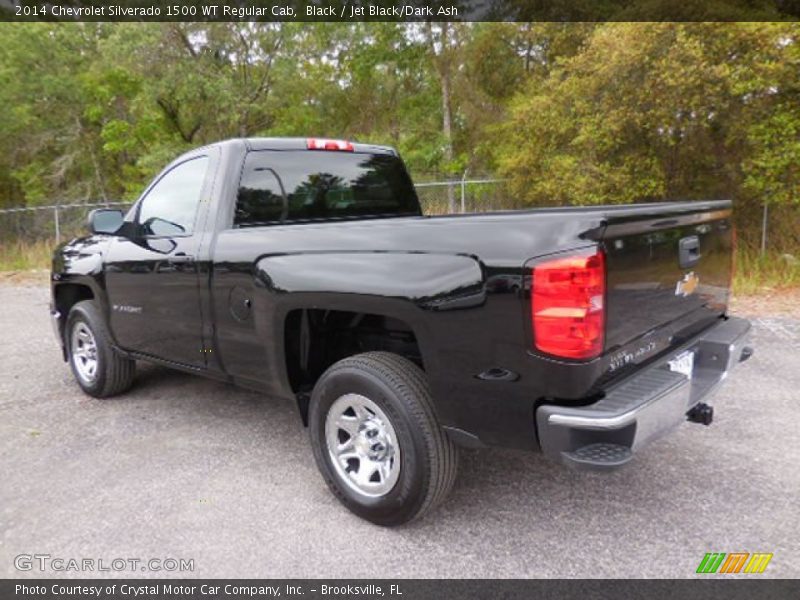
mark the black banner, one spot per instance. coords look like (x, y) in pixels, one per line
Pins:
(399, 10)
(400, 589)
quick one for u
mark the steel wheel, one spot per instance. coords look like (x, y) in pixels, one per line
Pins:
(376, 439)
(363, 445)
(84, 352)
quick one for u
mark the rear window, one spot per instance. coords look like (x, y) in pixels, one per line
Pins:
(301, 185)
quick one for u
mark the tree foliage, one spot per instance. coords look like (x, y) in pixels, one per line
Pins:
(568, 112)
(655, 111)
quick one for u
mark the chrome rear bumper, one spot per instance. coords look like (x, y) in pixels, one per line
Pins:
(644, 406)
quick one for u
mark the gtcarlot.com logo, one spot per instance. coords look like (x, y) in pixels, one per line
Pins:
(47, 562)
(735, 562)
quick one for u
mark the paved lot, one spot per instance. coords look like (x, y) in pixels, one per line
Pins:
(187, 468)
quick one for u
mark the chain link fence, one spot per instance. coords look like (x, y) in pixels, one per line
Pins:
(462, 196)
(60, 222)
(777, 228)
(55, 222)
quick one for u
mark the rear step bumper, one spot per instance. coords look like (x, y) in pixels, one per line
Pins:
(644, 406)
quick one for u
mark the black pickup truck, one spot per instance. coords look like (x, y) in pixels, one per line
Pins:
(304, 268)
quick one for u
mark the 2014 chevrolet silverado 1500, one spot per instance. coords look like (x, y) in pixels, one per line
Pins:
(305, 269)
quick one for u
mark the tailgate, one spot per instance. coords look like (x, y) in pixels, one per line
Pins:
(668, 268)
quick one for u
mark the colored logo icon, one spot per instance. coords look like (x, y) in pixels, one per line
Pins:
(735, 562)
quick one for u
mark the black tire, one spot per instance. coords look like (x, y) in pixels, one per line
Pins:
(113, 373)
(429, 462)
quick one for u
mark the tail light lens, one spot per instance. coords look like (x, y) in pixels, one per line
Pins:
(568, 306)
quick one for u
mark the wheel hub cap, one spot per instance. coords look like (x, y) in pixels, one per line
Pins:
(84, 352)
(362, 445)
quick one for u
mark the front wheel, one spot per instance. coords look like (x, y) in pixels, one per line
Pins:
(376, 439)
(99, 370)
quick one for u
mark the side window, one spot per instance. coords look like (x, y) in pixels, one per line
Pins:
(260, 198)
(170, 206)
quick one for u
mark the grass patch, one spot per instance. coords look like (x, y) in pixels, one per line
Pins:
(755, 274)
(24, 256)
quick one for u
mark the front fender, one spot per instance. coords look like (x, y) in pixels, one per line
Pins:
(78, 263)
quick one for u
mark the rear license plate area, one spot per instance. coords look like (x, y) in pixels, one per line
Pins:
(683, 363)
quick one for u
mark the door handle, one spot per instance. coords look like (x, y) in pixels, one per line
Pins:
(181, 258)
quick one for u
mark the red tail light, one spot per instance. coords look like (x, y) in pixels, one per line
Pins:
(568, 306)
(336, 145)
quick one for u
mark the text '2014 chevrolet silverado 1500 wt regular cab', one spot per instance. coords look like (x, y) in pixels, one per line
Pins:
(305, 269)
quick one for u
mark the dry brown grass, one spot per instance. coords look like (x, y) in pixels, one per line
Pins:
(777, 302)
(25, 256)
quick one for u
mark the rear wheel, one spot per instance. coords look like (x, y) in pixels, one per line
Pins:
(376, 439)
(99, 370)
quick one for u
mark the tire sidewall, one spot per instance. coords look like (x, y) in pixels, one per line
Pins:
(408, 494)
(83, 314)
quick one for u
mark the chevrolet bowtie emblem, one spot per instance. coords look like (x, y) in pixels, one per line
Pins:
(687, 285)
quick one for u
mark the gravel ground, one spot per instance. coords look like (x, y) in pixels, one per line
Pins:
(182, 467)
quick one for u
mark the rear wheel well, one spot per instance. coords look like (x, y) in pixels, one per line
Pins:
(314, 339)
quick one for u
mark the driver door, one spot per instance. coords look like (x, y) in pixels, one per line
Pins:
(152, 277)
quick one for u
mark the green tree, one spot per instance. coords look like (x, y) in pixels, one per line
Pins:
(655, 111)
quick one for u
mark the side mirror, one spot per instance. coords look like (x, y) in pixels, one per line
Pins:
(105, 220)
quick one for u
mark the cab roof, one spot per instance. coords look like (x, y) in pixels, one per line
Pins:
(298, 143)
